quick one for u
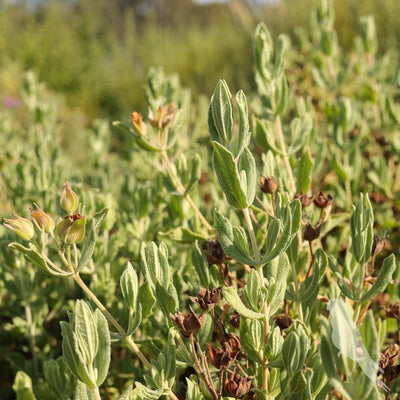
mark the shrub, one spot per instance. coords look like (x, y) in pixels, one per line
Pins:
(231, 269)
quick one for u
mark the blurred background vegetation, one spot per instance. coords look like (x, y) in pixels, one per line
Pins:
(97, 53)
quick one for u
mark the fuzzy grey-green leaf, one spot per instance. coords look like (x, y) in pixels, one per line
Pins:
(129, 286)
(232, 298)
(221, 114)
(228, 176)
(384, 277)
(103, 357)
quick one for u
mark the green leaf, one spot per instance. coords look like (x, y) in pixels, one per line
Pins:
(183, 235)
(228, 177)
(310, 287)
(274, 346)
(244, 133)
(83, 392)
(294, 350)
(155, 265)
(100, 217)
(88, 248)
(252, 291)
(102, 359)
(232, 298)
(290, 353)
(32, 255)
(59, 378)
(329, 357)
(144, 393)
(247, 164)
(264, 132)
(305, 168)
(385, 276)
(170, 357)
(361, 224)
(90, 243)
(126, 395)
(333, 264)
(200, 264)
(143, 141)
(369, 336)
(263, 50)
(220, 119)
(193, 390)
(129, 286)
(136, 320)
(146, 299)
(233, 240)
(284, 240)
(85, 331)
(73, 357)
(250, 331)
(276, 274)
(195, 173)
(273, 231)
(281, 95)
(166, 300)
(23, 386)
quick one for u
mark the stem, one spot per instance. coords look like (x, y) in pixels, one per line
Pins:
(207, 379)
(347, 183)
(97, 393)
(265, 208)
(181, 191)
(331, 68)
(32, 337)
(32, 331)
(281, 138)
(297, 287)
(279, 132)
(252, 235)
(131, 344)
(265, 310)
(172, 396)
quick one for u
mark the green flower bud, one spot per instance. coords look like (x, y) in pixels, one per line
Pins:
(72, 228)
(69, 199)
(22, 226)
(42, 220)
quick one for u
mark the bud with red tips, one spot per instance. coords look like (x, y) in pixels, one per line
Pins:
(69, 199)
(21, 226)
(138, 124)
(42, 220)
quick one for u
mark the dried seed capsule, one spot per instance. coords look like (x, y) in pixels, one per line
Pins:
(311, 233)
(214, 252)
(208, 298)
(321, 201)
(188, 323)
(268, 184)
(378, 245)
(304, 199)
(221, 358)
(237, 386)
